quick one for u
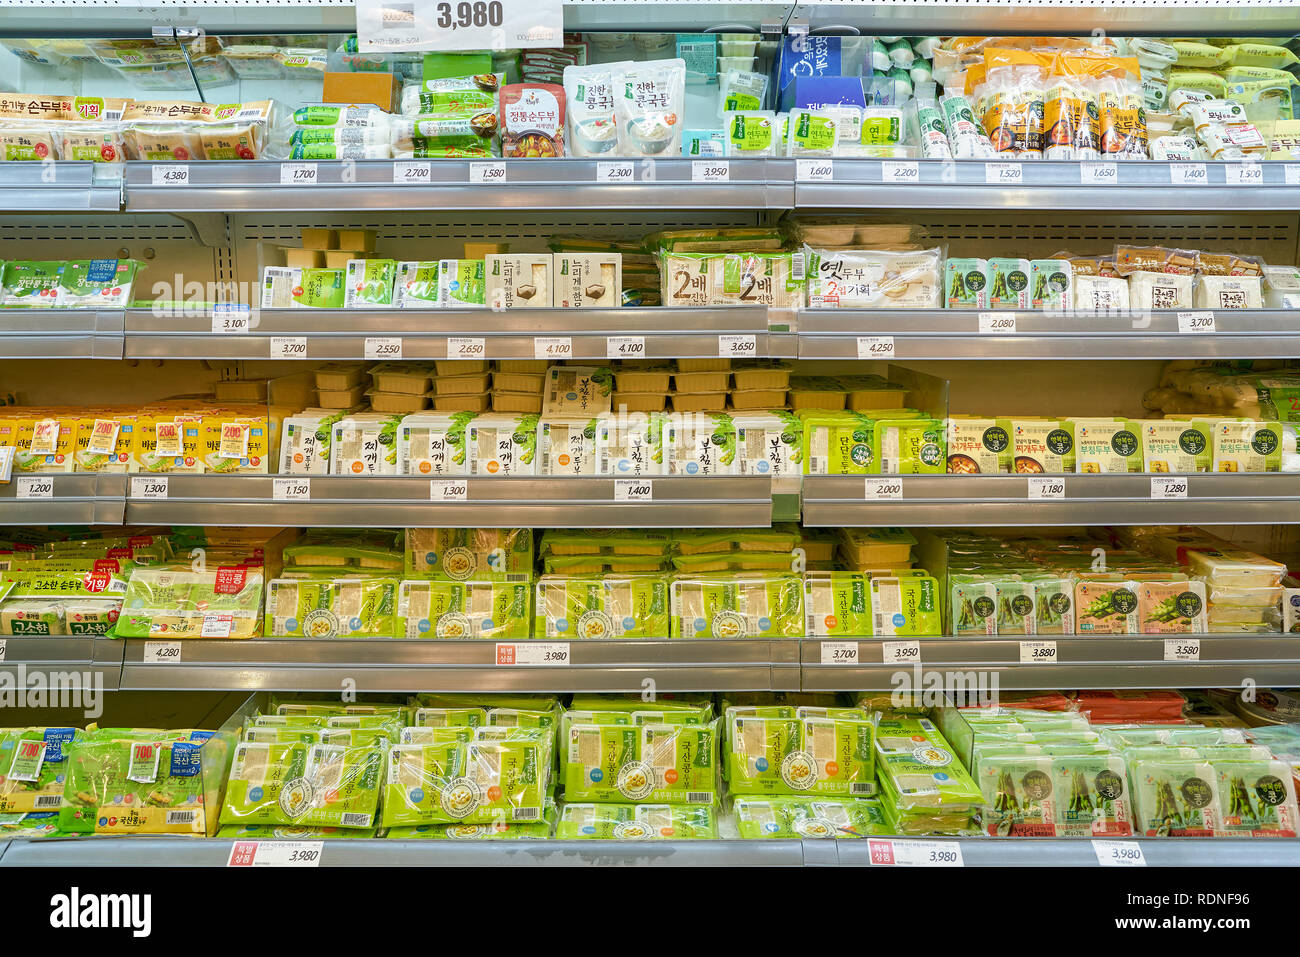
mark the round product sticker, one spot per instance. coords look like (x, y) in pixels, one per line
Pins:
(635, 781)
(729, 624)
(466, 831)
(459, 563)
(296, 797)
(320, 623)
(595, 624)
(931, 756)
(799, 770)
(815, 828)
(631, 831)
(453, 625)
(460, 798)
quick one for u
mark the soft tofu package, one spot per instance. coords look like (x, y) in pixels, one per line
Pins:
(737, 606)
(519, 280)
(588, 280)
(635, 763)
(464, 609)
(461, 284)
(134, 785)
(312, 785)
(502, 445)
(434, 444)
(612, 606)
(815, 751)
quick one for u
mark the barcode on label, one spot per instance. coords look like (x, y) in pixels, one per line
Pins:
(862, 788)
(699, 797)
(182, 817)
(526, 813)
(47, 800)
(356, 820)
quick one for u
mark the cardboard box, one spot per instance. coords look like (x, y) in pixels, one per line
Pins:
(304, 258)
(383, 90)
(484, 250)
(339, 258)
(314, 238)
(362, 240)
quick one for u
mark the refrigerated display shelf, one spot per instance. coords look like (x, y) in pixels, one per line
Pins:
(66, 662)
(1053, 661)
(60, 334)
(933, 501)
(616, 183)
(414, 502)
(970, 334)
(974, 852)
(1130, 186)
(424, 334)
(84, 498)
(411, 665)
(62, 187)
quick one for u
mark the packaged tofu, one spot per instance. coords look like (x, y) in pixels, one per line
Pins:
(434, 444)
(815, 751)
(1041, 446)
(481, 781)
(1105, 445)
(636, 822)
(568, 446)
(30, 284)
(1229, 292)
(874, 279)
(305, 442)
(768, 443)
(35, 762)
(464, 609)
(978, 446)
(703, 445)
(966, 283)
(630, 446)
(1052, 284)
(1171, 608)
(72, 601)
(461, 284)
(918, 769)
(224, 601)
(795, 818)
(368, 283)
(416, 285)
(588, 280)
(311, 785)
(96, 283)
(330, 608)
(1160, 290)
(502, 445)
(652, 763)
(462, 554)
(905, 606)
(134, 785)
(611, 606)
(1101, 294)
(1105, 607)
(1176, 445)
(1008, 283)
(577, 391)
(365, 444)
(519, 281)
(1056, 796)
(737, 606)
(1245, 445)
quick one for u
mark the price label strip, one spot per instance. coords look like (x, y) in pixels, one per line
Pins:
(170, 175)
(291, 489)
(143, 486)
(288, 347)
(1182, 649)
(231, 320)
(1041, 487)
(839, 652)
(405, 172)
(162, 652)
(1038, 653)
(275, 854)
(1003, 174)
(383, 348)
(449, 490)
(1195, 323)
(1099, 174)
(34, 487)
(1172, 486)
(1119, 853)
(895, 172)
(552, 347)
(466, 347)
(633, 490)
(3, 645)
(487, 173)
(544, 653)
(625, 347)
(997, 323)
(718, 171)
(876, 347)
(615, 173)
(1244, 174)
(1188, 174)
(883, 488)
(297, 174)
(737, 346)
(895, 853)
(814, 171)
(901, 652)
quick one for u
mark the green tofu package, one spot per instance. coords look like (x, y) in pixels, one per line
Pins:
(33, 767)
(464, 609)
(1056, 796)
(816, 751)
(636, 822)
(134, 784)
(808, 817)
(737, 606)
(494, 777)
(310, 785)
(648, 763)
(613, 606)
(918, 768)
(369, 282)
(496, 831)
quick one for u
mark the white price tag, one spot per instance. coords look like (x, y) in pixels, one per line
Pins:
(839, 652)
(711, 171)
(1292, 173)
(148, 486)
(378, 347)
(170, 175)
(29, 486)
(1099, 174)
(614, 173)
(1119, 853)
(1244, 174)
(275, 854)
(465, 347)
(552, 347)
(1038, 653)
(633, 490)
(404, 171)
(3, 643)
(896, 853)
(231, 320)
(883, 486)
(737, 346)
(1188, 174)
(1195, 323)
(876, 347)
(449, 490)
(1168, 486)
(997, 323)
(297, 174)
(892, 171)
(162, 652)
(625, 347)
(288, 347)
(1002, 174)
(291, 489)
(553, 653)
(901, 652)
(1046, 487)
(216, 626)
(814, 170)
(1182, 649)
(487, 173)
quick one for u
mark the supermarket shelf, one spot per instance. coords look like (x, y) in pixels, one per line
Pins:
(383, 664)
(185, 852)
(65, 662)
(61, 187)
(1057, 17)
(60, 333)
(82, 498)
(1003, 500)
(1041, 185)
(975, 852)
(955, 334)
(528, 184)
(424, 333)
(1102, 662)
(406, 501)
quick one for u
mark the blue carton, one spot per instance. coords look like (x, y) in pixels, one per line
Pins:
(814, 92)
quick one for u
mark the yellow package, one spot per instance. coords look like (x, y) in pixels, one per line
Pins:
(105, 442)
(235, 444)
(169, 443)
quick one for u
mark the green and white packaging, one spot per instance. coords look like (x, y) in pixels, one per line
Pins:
(294, 287)
(369, 283)
(649, 763)
(1051, 283)
(811, 133)
(1244, 445)
(434, 444)
(768, 443)
(461, 284)
(1056, 796)
(447, 717)
(330, 608)
(33, 767)
(134, 783)
(613, 606)
(630, 446)
(475, 782)
(1008, 283)
(837, 604)
(974, 606)
(906, 606)
(918, 769)
(30, 284)
(636, 822)
(416, 286)
(464, 554)
(707, 450)
(822, 751)
(569, 446)
(1176, 445)
(496, 831)
(809, 817)
(502, 445)
(464, 609)
(312, 785)
(96, 283)
(737, 606)
(1105, 445)
(966, 283)
(750, 133)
